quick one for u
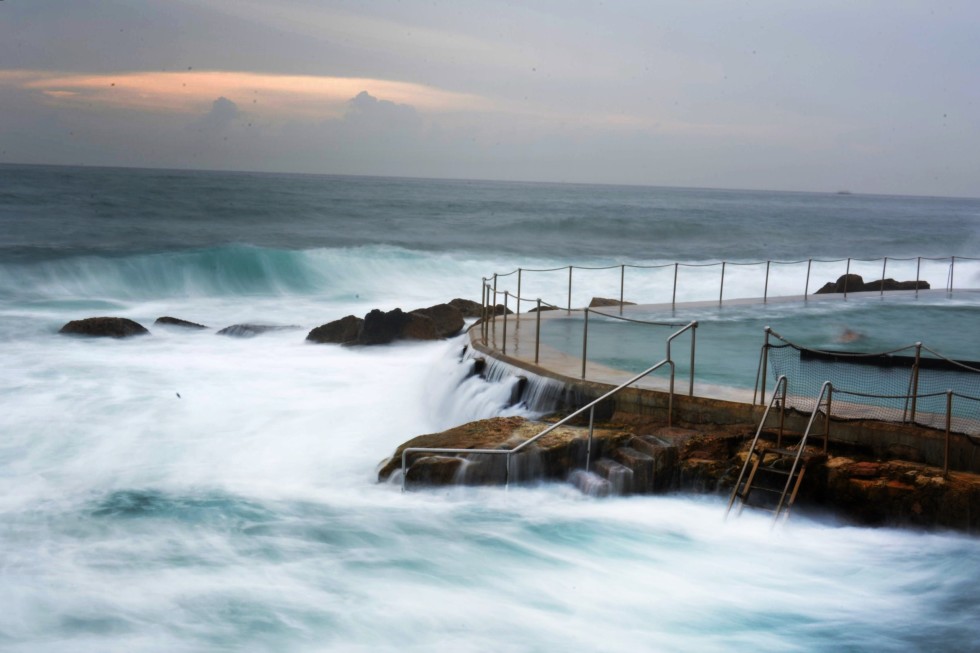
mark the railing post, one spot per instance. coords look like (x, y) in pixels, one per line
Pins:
(694, 331)
(949, 425)
(806, 289)
(537, 334)
(915, 380)
(765, 291)
(569, 309)
(506, 310)
(918, 267)
(721, 290)
(847, 273)
(952, 264)
(622, 286)
(483, 322)
(588, 450)
(673, 298)
(883, 266)
(826, 433)
(518, 307)
(585, 340)
(765, 362)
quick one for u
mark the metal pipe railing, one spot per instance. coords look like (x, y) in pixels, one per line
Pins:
(767, 276)
(510, 452)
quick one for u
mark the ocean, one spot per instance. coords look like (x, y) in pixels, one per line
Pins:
(192, 492)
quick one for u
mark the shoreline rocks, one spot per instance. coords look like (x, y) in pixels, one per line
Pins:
(382, 327)
(640, 457)
(104, 327)
(177, 322)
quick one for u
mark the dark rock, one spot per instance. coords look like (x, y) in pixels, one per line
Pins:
(380, 328)
(891, 284)
(339, 332)
(855, 283)
(543, 309)
(111, 327)
(252, 330)
(176, 321)
(467, 307)
(448, 319)
(419, 327)
(598, 302)
(845, 283)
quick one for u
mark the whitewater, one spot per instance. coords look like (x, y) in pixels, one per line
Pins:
(192, 492)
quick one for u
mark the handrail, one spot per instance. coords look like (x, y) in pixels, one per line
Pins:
(590, 407)
(781, 382)
(508, 452)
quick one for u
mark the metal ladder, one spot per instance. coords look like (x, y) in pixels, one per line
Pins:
(771, 476)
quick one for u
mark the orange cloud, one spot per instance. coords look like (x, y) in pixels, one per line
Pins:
(192, 91)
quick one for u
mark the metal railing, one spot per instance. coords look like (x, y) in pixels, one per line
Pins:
(723, 265)
(490, 312)
(408, 451)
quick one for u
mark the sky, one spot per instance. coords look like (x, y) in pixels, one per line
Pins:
(877, 96)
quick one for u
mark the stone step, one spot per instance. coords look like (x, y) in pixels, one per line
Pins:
(590, 483)
(620, 476)
(642, 466)
(664, 456)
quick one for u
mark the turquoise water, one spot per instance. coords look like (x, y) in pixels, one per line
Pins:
(190, 492)
(730, 337)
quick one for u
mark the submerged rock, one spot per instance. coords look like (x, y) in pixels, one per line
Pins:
(108, 327)
(252, 330)
(177, 322)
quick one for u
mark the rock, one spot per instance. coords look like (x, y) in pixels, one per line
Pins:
(467, 307)
(419, 327)
(175, 321)
(342, 331)
(448, 319)
(598, 302)
(251, 330)
(380, 328)
(855, 283)
(891, 284)
(543, 309)
(111, 327)
(551, 457)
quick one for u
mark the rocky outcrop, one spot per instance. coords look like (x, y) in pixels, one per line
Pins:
(252, 330)
(107, 327)
(339, 332)
(598, 302)
(177, 322)
(447, 319)
(382, 327)
(641, 458)
(467, 307)
(855, 283)
(551, 457)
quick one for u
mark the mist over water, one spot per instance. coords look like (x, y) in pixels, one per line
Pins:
(189, 492)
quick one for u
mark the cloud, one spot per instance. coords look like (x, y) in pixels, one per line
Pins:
(280, 97)
(223, 112)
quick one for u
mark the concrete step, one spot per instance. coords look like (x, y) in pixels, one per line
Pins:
(664, 456)
(590, 483)
(620, 476)
(642, 466)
